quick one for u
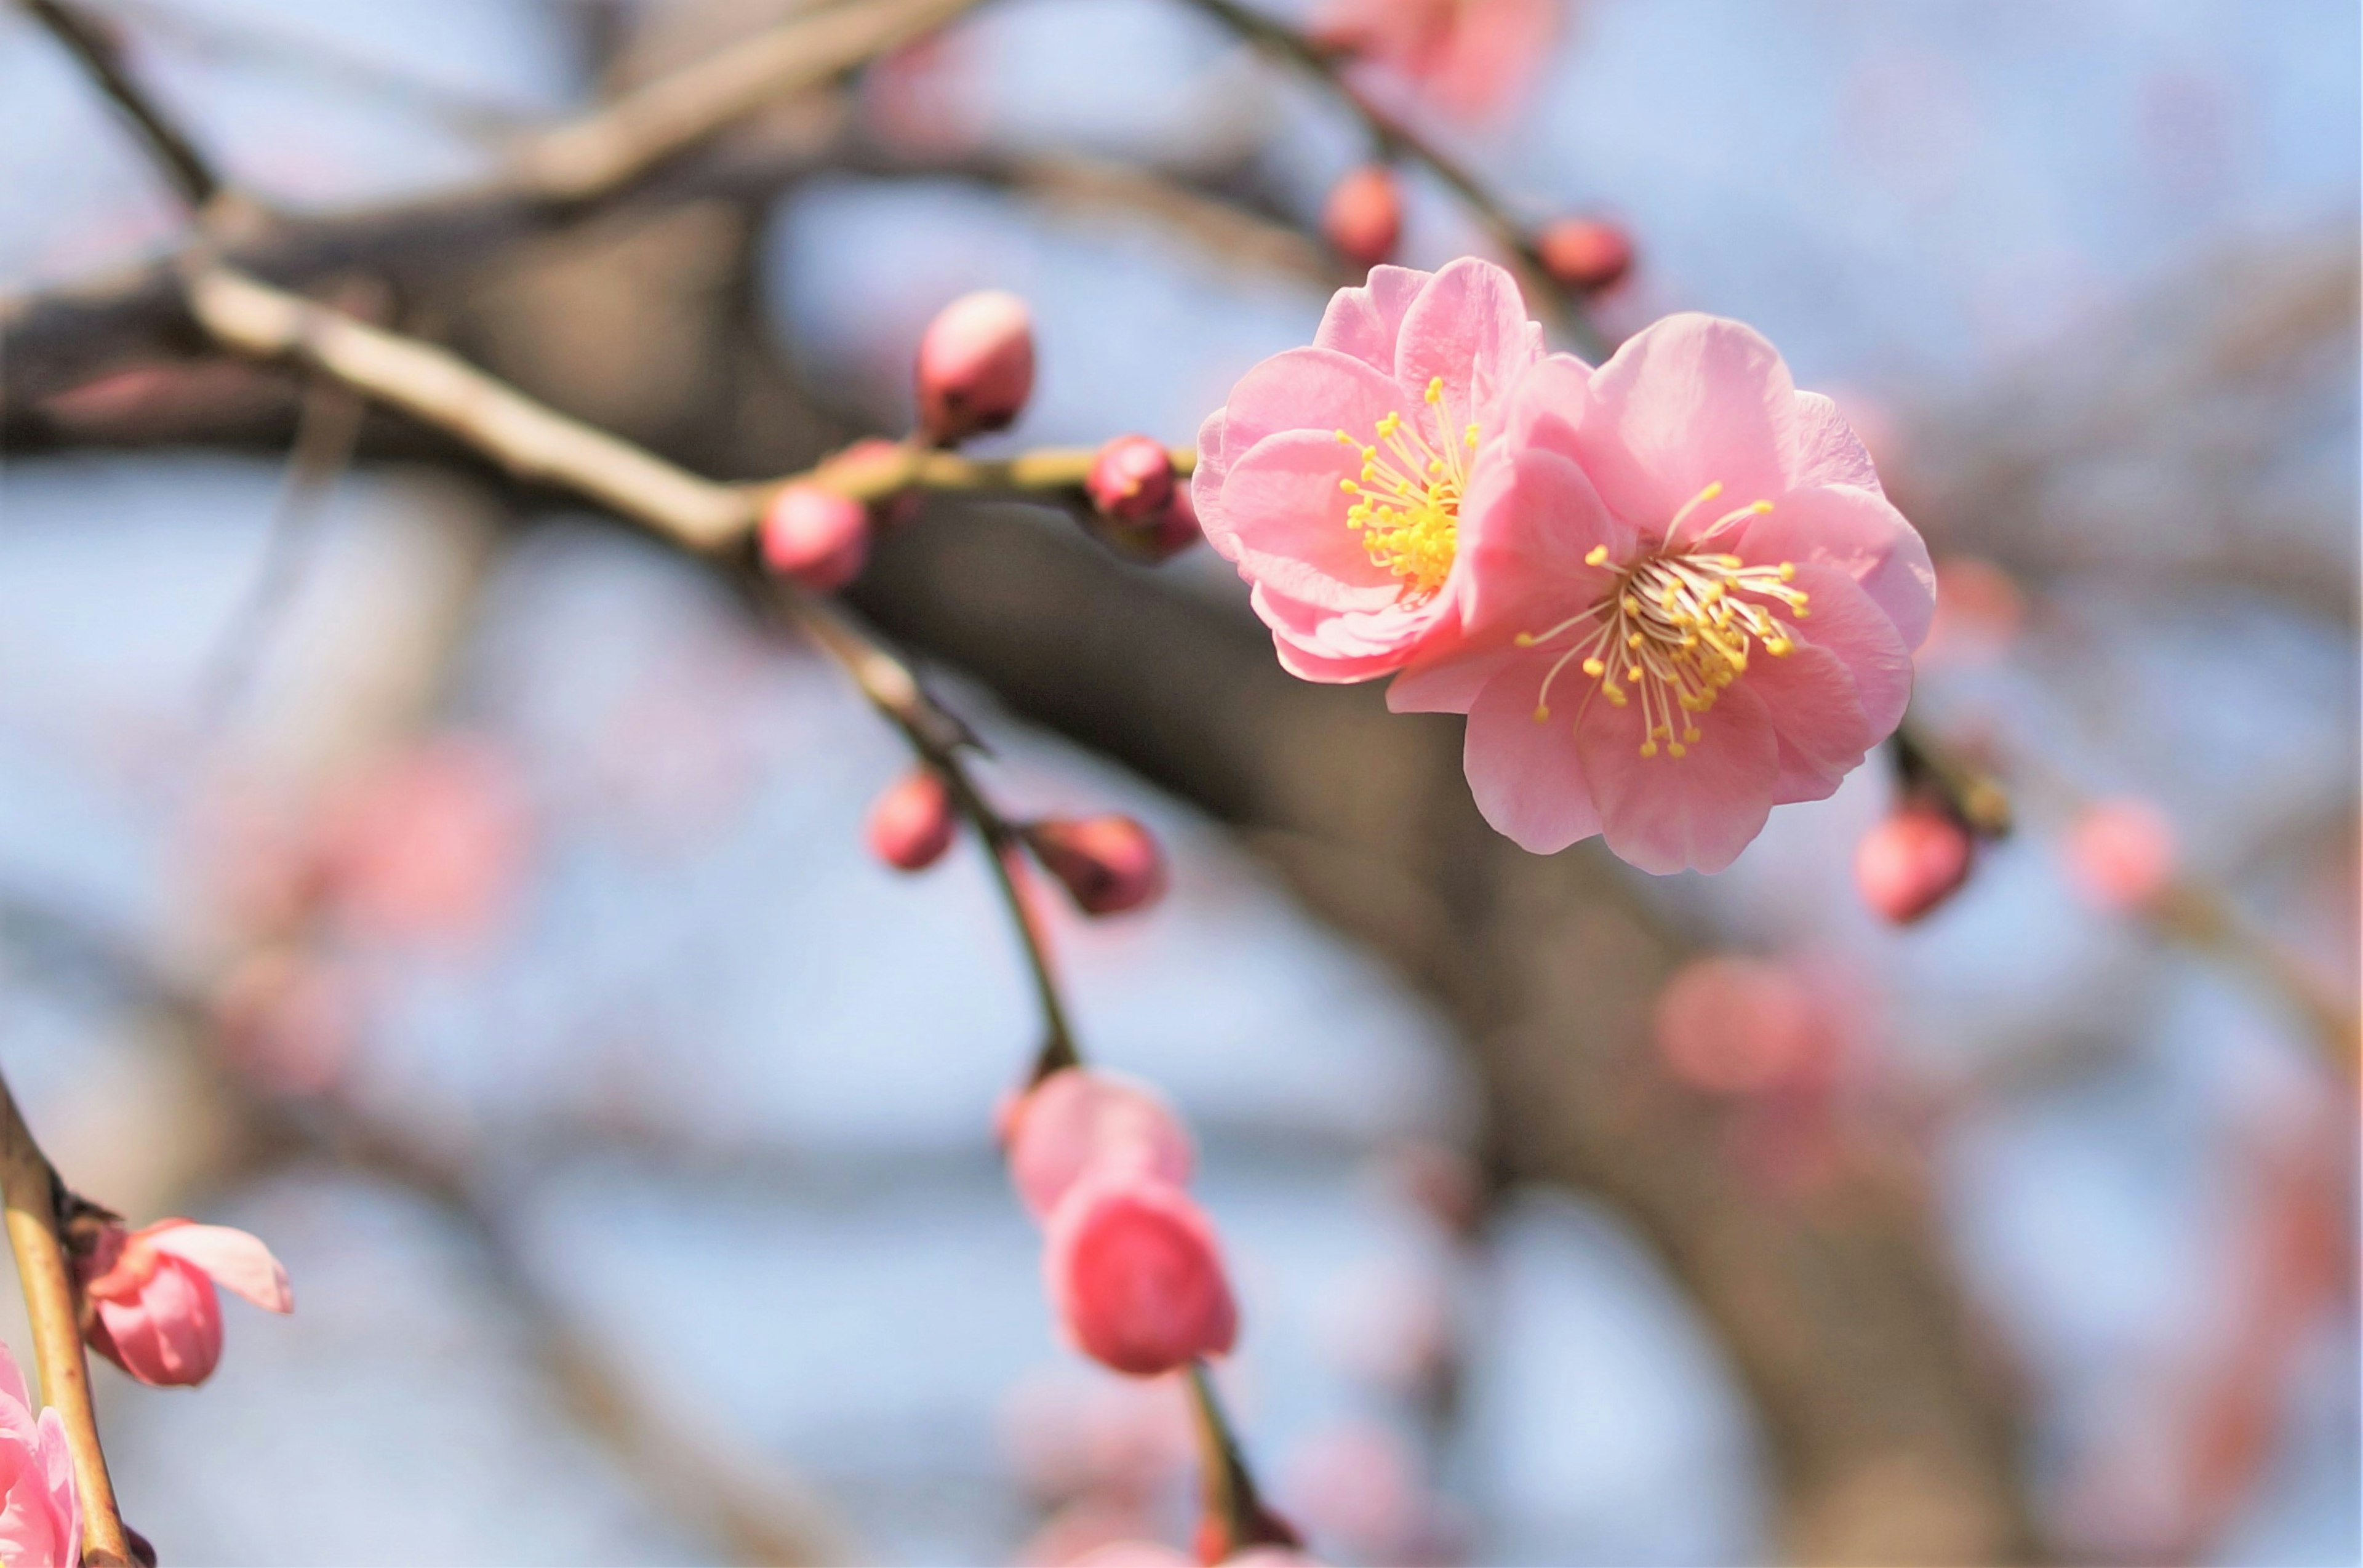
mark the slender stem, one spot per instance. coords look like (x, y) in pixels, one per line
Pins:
(1227, 1484)
(94, 45)
(1397, 140)
(29, 1187)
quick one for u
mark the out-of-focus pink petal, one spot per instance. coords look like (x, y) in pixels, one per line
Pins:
(237, 1261)
(1468, 329)
(1528, 778)
(1665, 814)
(58, 1494)
(1446, 685)
(1839, 692)
(1364, 322)
(1860, 532)
(1135, 1555)
(1689, 401)
(1077, 1121)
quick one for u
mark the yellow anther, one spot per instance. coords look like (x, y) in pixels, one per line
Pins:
(1615, 696)
(1635, 640)
(1691, 732)
(1348, 439)
(1648, 748)
(1760, 508)
(1788, 572)
(1436, 389)
(1349, 487)
(1779, 647)
(1524, 639)
(1731, 562)
(1632, 606)
(1542, 714)
(1596, 555)
(1633, 673)
(1470, 436)
(1676, 748)
(1595, 668)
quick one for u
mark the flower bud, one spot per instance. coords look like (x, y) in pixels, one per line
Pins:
(817, 536)
(911, 824)
(1077, 1123)
(1363, 217)
(2120, 854)
(976, 366)
(154, 1310)
(1586, 254)
(1911, 862)
(1137, 1276)
(1131, 479)
(1109, 864)
(1737, 1024)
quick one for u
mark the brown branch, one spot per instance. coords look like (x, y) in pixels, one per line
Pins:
(1394, 139)
(31, 1190)
(96, 50)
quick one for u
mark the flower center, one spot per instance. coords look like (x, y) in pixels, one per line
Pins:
(1407, 500)
(1676, 628)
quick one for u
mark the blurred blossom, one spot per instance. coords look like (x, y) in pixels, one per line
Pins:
(288, 1017)
(1078, 1122)
(1358, 1485)
(431, 844)
(1136, 1274)
(1911, 861)
(1362, 219)
(2120, 854)
(1739, 1025)
(922, 97)
(40, 1517)
(912, 824)
(1586, 254)
(1474, 60)
(1135, 1555)
(1075, 1431)
(1979, 612)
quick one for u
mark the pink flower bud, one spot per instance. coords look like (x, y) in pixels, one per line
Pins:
(1132, 478)
(1136, 1274)
(40, 1518)
(1911, 862)
(154, 1310)
(2120, 854)
(815, 535)
(1363, 217)
(1109, 864)
(1077, 1123)
(1586, 254)
(976, 366)
(1737, 1024)
(911, 825)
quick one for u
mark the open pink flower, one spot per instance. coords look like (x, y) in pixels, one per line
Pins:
(40, 1519)
(154, 1310)
(1333, 477)
(1686, 601)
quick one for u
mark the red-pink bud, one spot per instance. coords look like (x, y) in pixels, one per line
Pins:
(1587, 254)
(817, 536)
(976, 366)
(1136, 1274)
(1109, 864)
(2120, 854)
(1077, 1122)
(1132, 478)
(1737, 1024)
(911, 824)
(154, 1311)
(1911, 862)
(1363, 217)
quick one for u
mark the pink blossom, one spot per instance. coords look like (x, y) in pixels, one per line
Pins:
(1739, 1025)
(40, 1518)
(1137, 1275)
(1133, 1554)
(1911, 862)
(2121, 853)
(155, 1311)
(1686, 602)
(1078, 1122)
(1363, 216)
(1471, 59)
(1333, 477)
(976, 366)
(431, 844)
(1108, 864)
(1586, 254)
(912, 824)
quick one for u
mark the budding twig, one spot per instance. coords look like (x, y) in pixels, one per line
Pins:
(32, 1192)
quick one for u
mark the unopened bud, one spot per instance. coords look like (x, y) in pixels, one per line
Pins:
(1137, 1276)
(1132, 478)
(815, 535)
(1586, 254)
(976, 366)
(1363, 217)
(911, 824)
(1911, 862)
(1077, 1122)
(2120, 854)
(1109, 864)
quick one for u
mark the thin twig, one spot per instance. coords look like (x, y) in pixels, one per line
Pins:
(30, 1188)
(95, 46)
(1397, 140)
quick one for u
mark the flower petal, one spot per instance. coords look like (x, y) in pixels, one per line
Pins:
(1528, 779)
(1825, 450)
(1364, 322)
(1529, 522)
(1687, 401)
(1284, 502)
(1664, 814)
(1860, 532)
(1468, 327)
(237, 1261)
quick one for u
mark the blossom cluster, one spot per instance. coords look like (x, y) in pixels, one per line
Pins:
(1668, 591)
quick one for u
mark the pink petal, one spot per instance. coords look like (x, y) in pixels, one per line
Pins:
(1283, 500)
(1548, 404)
(1446, 685)
(1824, 450)
(1528, 778)
(1846, 623)
(1136, 1274)
(1365, 322)
(1076, 1121)
(1689, 401)
(1817, 718)
(1529, 522)
(1468, 327)
(12, 1386)
(1664, 814)
(1860, 532)
(63, 1504)
(237, 1262)
(173, 1336)
(1307, 389)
